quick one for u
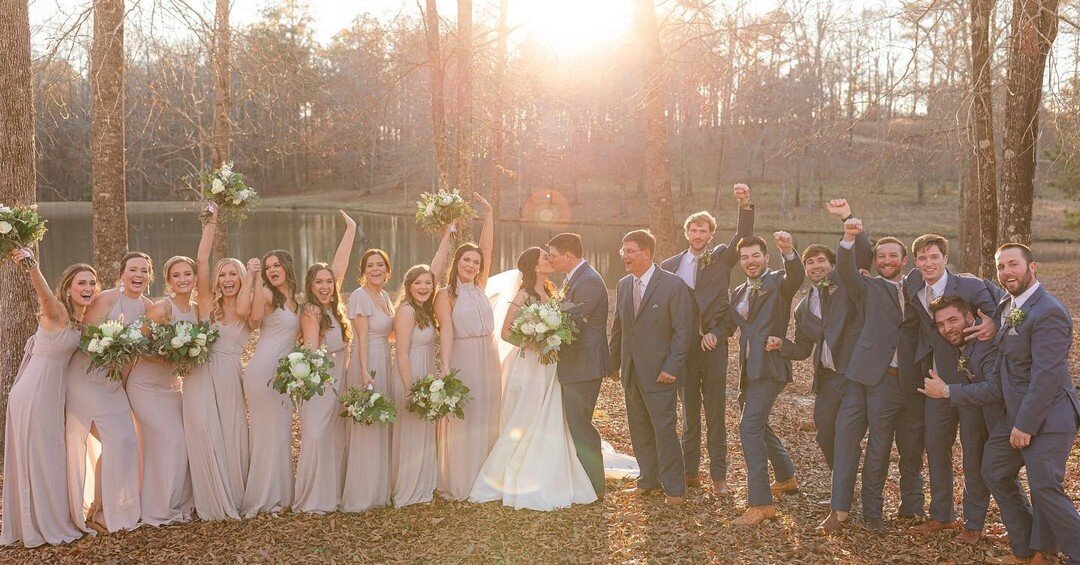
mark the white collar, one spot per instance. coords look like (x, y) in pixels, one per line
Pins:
(647, 276)
(939, 286)
(1019, 301)
(570, 275)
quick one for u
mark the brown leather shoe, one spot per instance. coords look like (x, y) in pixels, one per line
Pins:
(790, 486)
(832, 524)
(969, 537)
(693, 480)
(908, 520)
(642, 491)
(931, 526)
(755, 515)
(673, 500)
(720, 488)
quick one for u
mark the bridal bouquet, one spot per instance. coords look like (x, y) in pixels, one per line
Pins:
(366, 406)
(544, 327)
(303, 373)
(111, 345)
(20, 227)
(435, 211)
(226, 188)
(433, 397)
(183, 344)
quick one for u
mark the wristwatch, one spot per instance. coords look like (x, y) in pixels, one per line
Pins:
(945, 392)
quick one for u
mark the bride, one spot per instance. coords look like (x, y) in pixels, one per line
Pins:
(534, 464)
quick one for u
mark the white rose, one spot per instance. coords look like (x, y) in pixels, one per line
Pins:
(429, 209)
(446, 200)
(317, 362)
(5, 210)
(528, 329)
(552, 319)
(94, 346)
(176, 342)
(134, 334)
(313, 378)
(217, 187)
(244, 194)
(436, 385)
(374, 396)
(438, 397)
(105, 343)
(194, 351)
(554, 340)
(296, 356)
(200, 339)
(5, 228)
(300, 370)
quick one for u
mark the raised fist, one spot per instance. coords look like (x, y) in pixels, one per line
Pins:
(254, 266)
(783, 241)
(742, 193)
(852, 228)
(838, 207)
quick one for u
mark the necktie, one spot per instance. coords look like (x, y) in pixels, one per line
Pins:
(639, 292)
(930, 296)
(900, 297)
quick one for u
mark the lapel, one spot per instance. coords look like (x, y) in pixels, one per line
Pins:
(892, 293)
(1003, 329)
(702, 271)
(577, 275)
(736, 298)
(821, 304)
(757, 299)
(653, 282)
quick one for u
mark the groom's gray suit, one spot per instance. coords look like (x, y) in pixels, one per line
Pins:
(655, 338)
(583, 365)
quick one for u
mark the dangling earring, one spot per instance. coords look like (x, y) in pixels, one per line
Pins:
(120, 287)
(170, 292)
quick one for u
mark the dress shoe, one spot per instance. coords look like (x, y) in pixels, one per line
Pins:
(873, 524)
(693, 480)
(931, 526)
(831, 525)
(790, 486)
(909, 520)
(969, 537)
(720, 488)
(755, 515)
(673, 500)
(996, 538)
(642, 491)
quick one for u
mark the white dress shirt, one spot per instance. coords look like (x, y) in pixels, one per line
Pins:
(687, 270)
(939, 290)
(815, 309)
(1018, 301)
(570, 275)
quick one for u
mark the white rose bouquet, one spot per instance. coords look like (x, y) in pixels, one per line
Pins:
(226, 188)
(303, 373)
(112, 346)
(183, 344)
(20, 226)
(433, 397)
(435, 211)
(544, 327)
(367, 406)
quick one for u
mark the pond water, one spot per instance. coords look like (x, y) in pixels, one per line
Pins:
(313, 236)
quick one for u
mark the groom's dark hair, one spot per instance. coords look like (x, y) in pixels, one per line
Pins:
(567, 243)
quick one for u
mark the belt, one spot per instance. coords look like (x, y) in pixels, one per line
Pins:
(893, 372)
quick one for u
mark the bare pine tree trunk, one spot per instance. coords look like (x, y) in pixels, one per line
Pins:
(222, 103)
(438, 96)
(107, 163)
(17, 185)
(1034, 27)
(498, 168)
(983, 186)
(657, 164)
(465, 97)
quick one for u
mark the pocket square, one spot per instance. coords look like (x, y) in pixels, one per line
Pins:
(1012, 331)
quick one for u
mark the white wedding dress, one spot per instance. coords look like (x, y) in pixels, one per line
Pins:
(533, 464)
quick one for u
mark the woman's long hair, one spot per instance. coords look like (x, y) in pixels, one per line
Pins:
(217, 311)
(278, 299)
(462, 249)
(149, 268)
(425, 312)
(336, 308)
(175, 260)
(526, 263)
(63, 293)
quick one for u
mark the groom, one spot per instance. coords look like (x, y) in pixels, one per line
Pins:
(584, 363)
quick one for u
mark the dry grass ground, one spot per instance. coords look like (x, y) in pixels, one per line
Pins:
(623, 528)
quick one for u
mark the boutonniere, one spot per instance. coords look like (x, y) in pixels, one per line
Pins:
(704, 259)
(1015, 318)
(755, 287)
(962, 366)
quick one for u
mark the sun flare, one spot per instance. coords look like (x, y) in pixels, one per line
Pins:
(570, 27)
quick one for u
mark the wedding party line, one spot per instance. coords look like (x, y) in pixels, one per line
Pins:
(482, 387)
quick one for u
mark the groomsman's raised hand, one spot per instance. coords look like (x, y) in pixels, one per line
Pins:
(784, 242)
(742, 194)
(985, 331)
(838, 207)
(852, 228)
(933, 386)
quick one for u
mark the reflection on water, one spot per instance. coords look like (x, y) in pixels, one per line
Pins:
(313, 236)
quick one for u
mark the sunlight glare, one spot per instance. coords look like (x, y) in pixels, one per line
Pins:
(571, 27)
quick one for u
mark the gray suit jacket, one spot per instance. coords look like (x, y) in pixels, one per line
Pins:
(587, 358)
(769, 314)
(981, 385)
(710, 295)
(928, 344)
(657, 338)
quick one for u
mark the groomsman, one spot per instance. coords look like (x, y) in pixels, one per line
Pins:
(1041, 413)
(880, 362)
(763, 309)
(976, 363)
(931, 279)
(707, 273)
(649, 343)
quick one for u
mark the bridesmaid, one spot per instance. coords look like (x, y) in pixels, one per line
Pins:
(35, 499)
(154, 393)
(467, 342)
(102, 445)
(215, 422)
(414, 329)
(369, 467)
(321, 469)
(269, 486)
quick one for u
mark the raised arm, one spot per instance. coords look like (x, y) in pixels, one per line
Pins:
(341, 257)
(794, 273)
(203, 282)
(260, 297)
(404, 321)
(438, 262)
(745, 227)
(54, 315)
(487, 239)
(246, 297)
(444, 313)
(846, 266)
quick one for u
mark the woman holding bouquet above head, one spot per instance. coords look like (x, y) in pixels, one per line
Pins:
(153, 390)
(320, 472)
(215, 422)
(35, 498)
(534, 463)
(102, 446)
(467, 343)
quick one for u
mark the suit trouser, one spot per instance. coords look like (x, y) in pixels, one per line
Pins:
(579, 403)
(760, 445)
(942, 419)
(706, 385)
(829, 395)
(893, 411)
(1051, 520)
(652, 417)
(847, 449)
